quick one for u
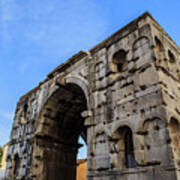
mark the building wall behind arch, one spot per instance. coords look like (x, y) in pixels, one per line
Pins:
(81, 169)
(3, 163)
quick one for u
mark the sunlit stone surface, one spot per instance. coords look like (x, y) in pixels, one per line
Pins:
(122, 97)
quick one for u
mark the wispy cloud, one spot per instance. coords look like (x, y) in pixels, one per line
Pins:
(10, 12)
(52, 25)
(24, 67)
(5, 114)
(37, 34)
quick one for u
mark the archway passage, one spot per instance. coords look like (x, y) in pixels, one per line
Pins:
(63, 110)
(81, 167)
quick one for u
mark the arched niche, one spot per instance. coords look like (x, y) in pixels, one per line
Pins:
(15, 169)
(160, 52)
(99, 151)
(119, 60)
(24, 111)
(158, 45)
(121, 123)
(140, 47)
(171, 57)
(154, 123)
(122, 148)
(174, 127)
(21, 115)
(156, 139)
(142, 43)
(173, 64)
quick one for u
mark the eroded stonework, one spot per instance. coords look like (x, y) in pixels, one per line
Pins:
(122, 97)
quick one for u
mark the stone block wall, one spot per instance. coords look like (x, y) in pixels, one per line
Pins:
(122, 97)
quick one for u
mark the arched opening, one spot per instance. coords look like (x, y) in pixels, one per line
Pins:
(155, 139)
(142, 43)
(81, 167)
(173, 65)
(16, 166)
(159, 45)
(124, 148)
(174, 126)
(63, 125)
(129, 149)
(140, 48)
(25, 108)
(172, 58)
(119, 59)
(24, 111)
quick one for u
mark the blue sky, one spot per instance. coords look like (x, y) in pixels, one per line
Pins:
(38, 35)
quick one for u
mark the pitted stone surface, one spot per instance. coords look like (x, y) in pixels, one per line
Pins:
(122, 97)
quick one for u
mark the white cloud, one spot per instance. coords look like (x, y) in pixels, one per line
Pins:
(35, 32)
(53, 26)
(5, 114)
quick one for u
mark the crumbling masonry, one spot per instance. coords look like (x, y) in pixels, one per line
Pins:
(122, 97)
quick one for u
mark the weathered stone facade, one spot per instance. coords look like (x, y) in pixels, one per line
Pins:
(122, 97)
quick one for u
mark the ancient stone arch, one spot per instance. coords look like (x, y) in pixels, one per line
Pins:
(122, 97)
(60, 122)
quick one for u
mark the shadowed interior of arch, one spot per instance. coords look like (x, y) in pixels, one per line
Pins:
(64, 110)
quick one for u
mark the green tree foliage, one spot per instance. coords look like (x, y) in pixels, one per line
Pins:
(1, 154)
